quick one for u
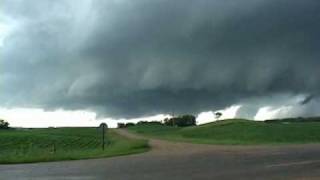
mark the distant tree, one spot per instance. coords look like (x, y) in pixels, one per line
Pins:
(181, 121)
(121, 125)
(4, 124)
(217, 115)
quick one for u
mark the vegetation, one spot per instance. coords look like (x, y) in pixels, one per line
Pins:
(217, 115)
(181, 121)
(121, 125)
(149, 122)
(155, 130)
(290, 120)
(237, 131)
(53, 144)
(125, 125)
(4, 124)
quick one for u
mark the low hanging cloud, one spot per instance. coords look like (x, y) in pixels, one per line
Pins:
(125, 58)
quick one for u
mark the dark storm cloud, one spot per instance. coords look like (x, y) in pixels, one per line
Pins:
(133, 58)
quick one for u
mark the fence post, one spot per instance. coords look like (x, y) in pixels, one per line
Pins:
(104, 126)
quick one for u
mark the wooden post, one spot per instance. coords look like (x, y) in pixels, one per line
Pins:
(103, 138)
(103, 126)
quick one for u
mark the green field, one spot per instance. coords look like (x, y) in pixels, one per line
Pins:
(53, 144)
(236, 132)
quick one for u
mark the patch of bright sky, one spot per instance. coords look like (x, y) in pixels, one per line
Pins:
(227, 113)
(269, 112)
(290, 108)
(26, 117)
(38, 118)
(5, 29)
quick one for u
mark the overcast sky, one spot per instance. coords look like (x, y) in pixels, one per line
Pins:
(128, 59)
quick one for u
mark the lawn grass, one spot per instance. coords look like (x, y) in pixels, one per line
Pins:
(55, 144)
(237, 132)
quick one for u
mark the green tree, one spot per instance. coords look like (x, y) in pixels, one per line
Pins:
(4, 124)
(218, 115)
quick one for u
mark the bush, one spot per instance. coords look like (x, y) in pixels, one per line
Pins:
(149, 123)
(130, 124)
(181, 121)
(121, 125)
(125, 125)
(4, 124)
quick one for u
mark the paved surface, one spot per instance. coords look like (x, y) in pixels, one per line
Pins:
(182, 161)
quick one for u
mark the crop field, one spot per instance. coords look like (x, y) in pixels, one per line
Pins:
(53, 144)
(238, 132)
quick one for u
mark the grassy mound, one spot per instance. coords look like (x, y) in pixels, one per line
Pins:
(38, 145)
(238, 131)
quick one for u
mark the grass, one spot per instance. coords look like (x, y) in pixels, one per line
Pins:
(40, 145)
(237, 132)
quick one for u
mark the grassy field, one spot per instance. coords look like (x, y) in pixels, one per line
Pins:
(38, 145)
(237, 132)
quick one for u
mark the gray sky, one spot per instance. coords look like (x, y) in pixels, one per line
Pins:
(125, 58)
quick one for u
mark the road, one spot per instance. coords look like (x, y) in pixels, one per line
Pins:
(182, 161)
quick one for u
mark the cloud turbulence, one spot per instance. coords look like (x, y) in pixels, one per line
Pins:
(126, 58)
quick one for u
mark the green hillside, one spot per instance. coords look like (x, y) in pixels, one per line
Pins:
(238, 131)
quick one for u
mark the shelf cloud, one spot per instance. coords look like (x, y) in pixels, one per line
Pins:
(123, 58)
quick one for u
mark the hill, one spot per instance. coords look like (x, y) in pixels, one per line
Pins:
(239, 131)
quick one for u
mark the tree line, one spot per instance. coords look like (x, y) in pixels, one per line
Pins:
(179, 121)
